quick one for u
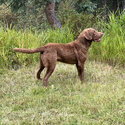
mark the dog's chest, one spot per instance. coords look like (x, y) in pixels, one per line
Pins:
(67, 56)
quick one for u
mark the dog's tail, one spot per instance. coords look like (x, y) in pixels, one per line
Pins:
(29, 51)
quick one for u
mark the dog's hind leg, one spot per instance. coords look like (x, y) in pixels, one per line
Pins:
(48, 74)
(50, 63)
(41, 68)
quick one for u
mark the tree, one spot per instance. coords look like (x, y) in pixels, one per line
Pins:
(15, 5)
(50, 14)
(80, 6)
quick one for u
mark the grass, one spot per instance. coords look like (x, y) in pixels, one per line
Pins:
(99, 101)
(112, 46)
(10, 38)
(111, 49)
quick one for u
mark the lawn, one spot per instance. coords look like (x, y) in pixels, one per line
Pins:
(100, 100)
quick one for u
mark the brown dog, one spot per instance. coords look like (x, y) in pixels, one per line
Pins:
(72, 53)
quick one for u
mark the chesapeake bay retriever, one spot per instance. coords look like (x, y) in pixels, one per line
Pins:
(72, 53)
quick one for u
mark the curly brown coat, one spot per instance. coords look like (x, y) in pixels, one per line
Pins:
(72, 53)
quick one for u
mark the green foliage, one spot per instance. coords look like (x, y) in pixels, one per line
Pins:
(74, 20)
(81, 5)
(111, 49)
(85, 6)
(15, 4)
(10, 38)
(7, 17)
(112, 46)
(32, 13)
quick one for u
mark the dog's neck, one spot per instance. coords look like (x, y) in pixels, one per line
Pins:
(84, 41)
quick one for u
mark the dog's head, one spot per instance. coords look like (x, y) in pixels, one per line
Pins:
(91, 34)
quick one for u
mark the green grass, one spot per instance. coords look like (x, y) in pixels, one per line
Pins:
(10, 38)
(111, 49)
(99, 101)
(112, 46)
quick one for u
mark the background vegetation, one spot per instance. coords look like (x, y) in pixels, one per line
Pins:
(111, 49)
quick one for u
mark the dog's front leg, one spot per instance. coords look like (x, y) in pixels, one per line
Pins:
(80, 69)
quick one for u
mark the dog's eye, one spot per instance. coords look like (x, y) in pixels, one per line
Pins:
(95, 35)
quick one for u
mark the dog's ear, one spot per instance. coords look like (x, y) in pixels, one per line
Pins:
(88, 34)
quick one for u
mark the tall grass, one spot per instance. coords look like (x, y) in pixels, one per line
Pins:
(112, 46)
(111, 49)
(10, 38)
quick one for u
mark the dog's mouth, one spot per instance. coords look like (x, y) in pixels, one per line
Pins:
(97, 40)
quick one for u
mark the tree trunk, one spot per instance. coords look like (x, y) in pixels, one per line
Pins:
(50, 14)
